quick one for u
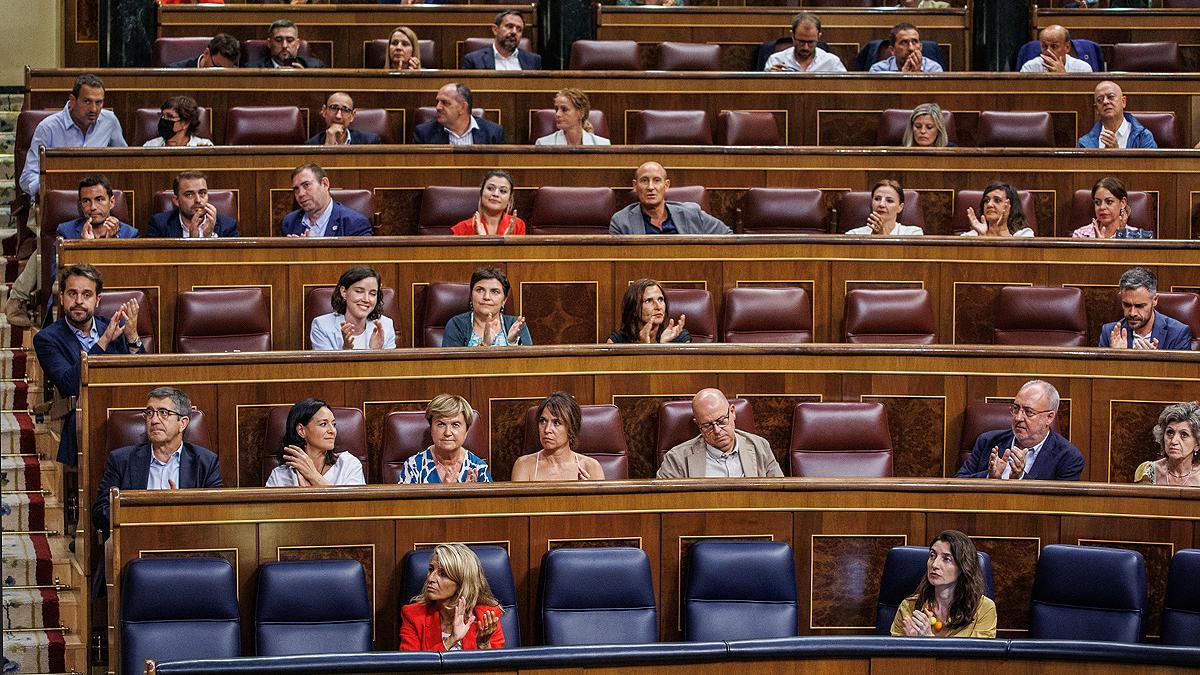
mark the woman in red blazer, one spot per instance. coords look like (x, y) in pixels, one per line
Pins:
(456, 609)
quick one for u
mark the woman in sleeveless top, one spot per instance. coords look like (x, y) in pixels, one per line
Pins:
(558, 419)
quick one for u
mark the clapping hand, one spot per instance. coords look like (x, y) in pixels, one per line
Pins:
(207, 216)
(977, 224)
(648, 330)
(673, 329)
(920, 624)
(376, 341)
(347, 335)
(129, 310)
(1108, 138)
(488, 623)
(1145, 343)
(461, 623)
(875, 222)
(514, 333)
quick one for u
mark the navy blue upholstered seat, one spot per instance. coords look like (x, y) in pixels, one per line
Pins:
(740, 590)
(334, 615)
(1181, 609)
(178, 608)
(1088, 593)
(597, 596)
(496, 568)
(902, 571)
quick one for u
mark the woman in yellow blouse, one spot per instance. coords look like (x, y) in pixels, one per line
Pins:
(949, 601)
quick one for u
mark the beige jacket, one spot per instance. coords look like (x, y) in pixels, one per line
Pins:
(688, 459)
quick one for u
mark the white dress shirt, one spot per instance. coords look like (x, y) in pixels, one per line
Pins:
(822, 61)
(901, 229)
(347, 470)
(465, 138)
(1071, 65)
(506, 62)
(560, 138)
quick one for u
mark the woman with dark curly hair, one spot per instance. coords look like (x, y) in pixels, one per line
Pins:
(949, 601)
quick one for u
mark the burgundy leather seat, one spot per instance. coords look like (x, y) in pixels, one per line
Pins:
(27, 121)
(689, 56)
(840, 3)
(675, 424)
(761, 315)
(605, 55)
(1184, 308)
(541, 123)
(840, 439)
(1141, 211)
(60, 206)
(980, 418)
(375, 53)
(316, 303)
(223, 320)
(854, 207)
(405, 433)
(747, 128)
(601, 437)
(670, 127)
(147, 323)
(784, 211)
(370, 120)
(889, 316)
(225, 201)
(895, 121)
(146, 125)
(168, 50)
(697, 304)
(1035, 315)
(351, 438)
(265, 125)
(443, 301)
(128, 427)
(427, 113)
(253, 50)
(1014, 130)
(965, 199)
(362, 201)
(444, 206)
(473, 44)
(696, 194)
(1164, 126)
(1145, 57)
(572, 210)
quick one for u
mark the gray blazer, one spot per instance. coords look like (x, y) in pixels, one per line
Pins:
(688, 218)
(688, 459)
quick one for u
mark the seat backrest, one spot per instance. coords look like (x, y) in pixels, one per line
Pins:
(854, 207)
(1181, 607)
(362, 201)
(223, 320)
(316, 303)
(27, 121)
(739, 590)
(375, 53)
(147, 323)
(1185, 308)
(225, 201)
(675, 424)
(605, 55)
(406, 433)
(497, 569)
(370, 120)
(747, 128)
(689, 56)
(572, 210)
(1141, 210)
(889, 316)
(1164, 126)
(335, 619)
(473, 44)
(1034, 315)
(1003, 129)
(597, 596)
(60, 206)
(428, 113)
(174, 609)
(840, 439)
(265, 125)
(903, 570)
(781, 315)
(784, 211)
(601, 437)
(443, 301)
(444, 206)
(541, 123)
(670, 127)
(168, 50)
(145, 124)
(895, 121)
(969, 199)
(128, 427)
(351, 437)
(980, 418)
(1146, 57)
(697, 305)
(254, 50)
(1107, 603)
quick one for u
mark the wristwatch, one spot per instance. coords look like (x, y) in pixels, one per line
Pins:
(137, 344)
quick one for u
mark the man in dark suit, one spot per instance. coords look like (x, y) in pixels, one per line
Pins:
(338, 113)
(79, 330)
(319, 215)
(194, 217)
(504, 52)
(1143, 326)
(283, 39)
(223, 51)
(455, 124)
(1030, 450)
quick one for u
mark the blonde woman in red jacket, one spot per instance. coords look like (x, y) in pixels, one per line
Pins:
(456, 610)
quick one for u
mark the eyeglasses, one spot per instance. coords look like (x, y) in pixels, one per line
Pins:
(1025, 411)
(170, 119)
(339, 109)
(160, 413)
(712, 426)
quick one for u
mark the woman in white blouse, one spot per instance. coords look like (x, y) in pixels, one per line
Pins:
(887, 201)
(307, 454)
(178, 120)
(571, 110)
(1002, 214)
(357, 320)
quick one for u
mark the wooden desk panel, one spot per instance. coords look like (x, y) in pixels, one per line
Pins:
(1129, 25)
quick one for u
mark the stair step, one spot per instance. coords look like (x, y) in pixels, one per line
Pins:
(8, 120)
(11, 101)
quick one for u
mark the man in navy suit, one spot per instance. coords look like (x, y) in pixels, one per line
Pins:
(283, 39)
(194, 217)
(223, 51)
(1030, 450)
(504, 53)
(338, 113)
(319, 215)
(1143, 326)
(79, 330)
(455, 124)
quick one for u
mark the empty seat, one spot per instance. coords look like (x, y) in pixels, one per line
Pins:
(889, 316)
(225, 201)
(541, 123)
(351, 437)
(128, 427)
(697, 304)
(444, 206)
(316, 303)
(840, 439)
(1014, 130)
(174, 609)
(1181, 607)
(601, 437)
(1088, 593)
(605, 55)
(406, 433)
(60, 206)
(689, 56)
(1164, 126)
(1142, 212)
(895, 121)
(854, 207)
(597, 596)
(168, 50)
(784, 211)
(1145, 57)
(145, 124)
(965, 199)
(675, 424)
(1184, 308)
(747, 128)
(903, 570)
(782, 315)
(739, 590)
(670, 127)
(497, 569)
(265, 125)
(111, 300)
(572, 210)
(223, 320)
(255, 50)
(375, 53)
(443, 301)
(334, 617)
(362, 201)
(1032, 315)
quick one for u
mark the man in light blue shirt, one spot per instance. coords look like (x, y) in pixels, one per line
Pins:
(906, 43)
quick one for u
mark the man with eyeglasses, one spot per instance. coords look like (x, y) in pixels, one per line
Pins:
(720, 451)
(1030, 449)
(804, 56)
(338, 113)
(283, 39)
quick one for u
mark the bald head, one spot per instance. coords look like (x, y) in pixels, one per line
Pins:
(713, 414)
(1110, 103)
(650, 182)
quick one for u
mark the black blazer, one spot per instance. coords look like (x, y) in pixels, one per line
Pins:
(1057, 460)
(265, 62)
(356, 138)
(128, 468)
(186, 63)
(485, 59)
(488, 133)
(166, 224)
